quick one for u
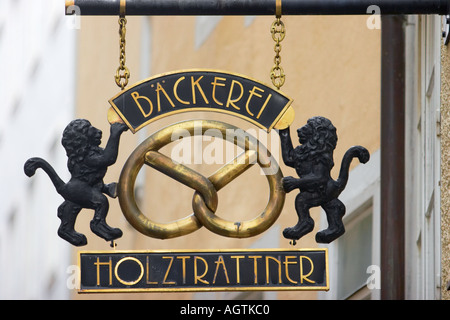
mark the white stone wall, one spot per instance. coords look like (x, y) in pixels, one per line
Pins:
(37, 100)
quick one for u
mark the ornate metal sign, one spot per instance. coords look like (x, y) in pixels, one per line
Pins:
(201, 90)
(219, 270)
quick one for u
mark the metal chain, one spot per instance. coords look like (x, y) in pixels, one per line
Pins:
(122, 73)
(278, 33)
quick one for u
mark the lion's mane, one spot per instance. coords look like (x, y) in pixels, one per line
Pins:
(321, 141)
(75, 140)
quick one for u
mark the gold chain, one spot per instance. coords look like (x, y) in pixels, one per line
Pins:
(122, 73)
(278, 33)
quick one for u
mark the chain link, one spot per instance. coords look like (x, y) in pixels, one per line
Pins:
(122, 73)
(278, 33)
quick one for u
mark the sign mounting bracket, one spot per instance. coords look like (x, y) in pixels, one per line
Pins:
(258, 7)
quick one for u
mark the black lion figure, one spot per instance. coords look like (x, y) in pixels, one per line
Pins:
(87, 163)
(313, 161)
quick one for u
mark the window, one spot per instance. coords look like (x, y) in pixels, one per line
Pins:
(423, 157)
(355, 254)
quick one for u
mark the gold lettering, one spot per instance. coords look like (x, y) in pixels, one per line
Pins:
(98, 264)
(159, 88)
(196, 83)
(196, 276)
(232, 101)
(175, 93)
(267, 268)
(255, 266)
(305, 277)
(136, 97)
(252, 93)
(168, 270)
(264, 106)
(148, 274)
(214, 84)
(128, 283)
(238, 276)
(183, 259)
(286, 266)
(221, 262)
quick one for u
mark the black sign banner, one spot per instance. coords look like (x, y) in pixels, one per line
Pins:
(204, 270)
(200, 90)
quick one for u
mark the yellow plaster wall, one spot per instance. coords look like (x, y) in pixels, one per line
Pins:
(332, 67)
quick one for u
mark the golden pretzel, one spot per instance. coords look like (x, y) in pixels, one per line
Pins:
(205, 199)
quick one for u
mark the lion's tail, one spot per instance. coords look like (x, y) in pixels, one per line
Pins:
(33, 164)
(354, 152)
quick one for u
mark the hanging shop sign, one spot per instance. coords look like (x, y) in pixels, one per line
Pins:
(219, 270)
(200, 90)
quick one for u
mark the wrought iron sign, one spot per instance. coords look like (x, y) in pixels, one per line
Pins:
(313, 161)
(87, 164)
(161, 96)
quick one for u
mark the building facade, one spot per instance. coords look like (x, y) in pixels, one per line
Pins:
(333, 69)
